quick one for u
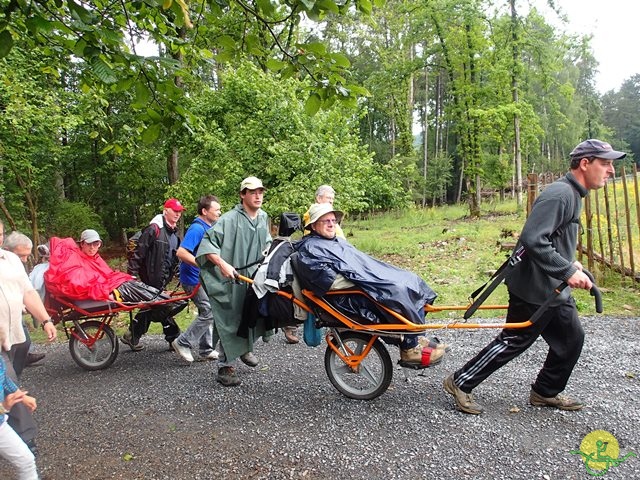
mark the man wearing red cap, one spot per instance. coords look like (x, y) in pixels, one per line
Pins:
(154, 261)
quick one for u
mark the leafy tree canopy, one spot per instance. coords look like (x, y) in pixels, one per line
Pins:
(256, 125)
(192, 35)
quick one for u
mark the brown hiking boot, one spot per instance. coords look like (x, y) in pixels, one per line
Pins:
(290, 335)
(227, 376)
(421, 357)
(464, 401)
(128, 339)
(561, 402)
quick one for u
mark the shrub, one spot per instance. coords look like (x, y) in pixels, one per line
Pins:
(71, 218)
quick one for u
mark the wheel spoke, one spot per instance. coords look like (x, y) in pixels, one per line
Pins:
(102, 352)
(342, 368)
(367, 373)
(370, 378)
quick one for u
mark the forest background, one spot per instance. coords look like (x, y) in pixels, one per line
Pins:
(398, 105)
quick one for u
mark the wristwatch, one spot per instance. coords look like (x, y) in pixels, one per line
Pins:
(48, 320)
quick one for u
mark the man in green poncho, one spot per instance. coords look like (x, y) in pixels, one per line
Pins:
(237, 239)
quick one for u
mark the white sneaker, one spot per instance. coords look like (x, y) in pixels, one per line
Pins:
(213, 355)
(184, 352)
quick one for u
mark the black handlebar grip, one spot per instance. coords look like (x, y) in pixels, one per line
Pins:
(594, 292)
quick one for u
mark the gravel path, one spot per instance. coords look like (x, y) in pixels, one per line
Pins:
(150, 416)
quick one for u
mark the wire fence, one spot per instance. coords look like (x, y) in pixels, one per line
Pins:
(610, 223)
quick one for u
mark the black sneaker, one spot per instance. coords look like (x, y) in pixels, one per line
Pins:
(32, 446)
(33, 358)
(249, 359)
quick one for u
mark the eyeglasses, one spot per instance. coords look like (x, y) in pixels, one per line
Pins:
(328, 221)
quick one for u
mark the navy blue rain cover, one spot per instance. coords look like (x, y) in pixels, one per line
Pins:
(321, 259)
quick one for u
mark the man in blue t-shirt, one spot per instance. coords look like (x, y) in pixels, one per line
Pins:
(200, 331)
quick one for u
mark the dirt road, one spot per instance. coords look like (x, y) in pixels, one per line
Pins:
(151, 416)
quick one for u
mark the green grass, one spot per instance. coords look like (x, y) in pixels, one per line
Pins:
(455, 254)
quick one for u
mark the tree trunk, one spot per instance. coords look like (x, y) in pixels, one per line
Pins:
(473, 133)
(460, 183)
(10, 221)
(173, 172)
(514, 89)
(392, 134)
(437, 137)
(32, 207)
(425, 136)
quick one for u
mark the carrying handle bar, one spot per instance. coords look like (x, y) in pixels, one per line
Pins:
(495, 280)
(594, 292)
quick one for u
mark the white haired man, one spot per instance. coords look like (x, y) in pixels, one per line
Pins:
(22, 246)
(16, 291)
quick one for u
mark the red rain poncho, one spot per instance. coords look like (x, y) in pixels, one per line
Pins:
(73, 274)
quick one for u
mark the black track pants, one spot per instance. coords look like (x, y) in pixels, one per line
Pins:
(559, 326)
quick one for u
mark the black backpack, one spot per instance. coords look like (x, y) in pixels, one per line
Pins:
(132, 243)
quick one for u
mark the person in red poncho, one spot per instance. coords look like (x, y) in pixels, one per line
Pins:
(78, 272)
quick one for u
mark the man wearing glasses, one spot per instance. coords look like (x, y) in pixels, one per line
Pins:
(328, 262)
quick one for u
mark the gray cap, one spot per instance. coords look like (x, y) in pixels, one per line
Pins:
(90, 236)
(43, 250)
(596, 148)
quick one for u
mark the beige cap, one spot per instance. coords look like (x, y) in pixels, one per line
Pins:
(317, 210)
(251, 183)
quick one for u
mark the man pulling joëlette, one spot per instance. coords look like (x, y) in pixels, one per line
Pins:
(238, 239)
(550, 238)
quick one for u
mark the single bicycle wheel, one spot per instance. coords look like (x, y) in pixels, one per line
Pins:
(102, 353)
(370, 378)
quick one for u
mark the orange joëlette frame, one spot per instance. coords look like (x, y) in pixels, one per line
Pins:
(403, 325)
